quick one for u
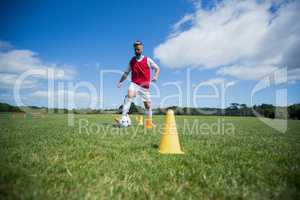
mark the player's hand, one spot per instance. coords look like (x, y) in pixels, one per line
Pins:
(154, 79)
(119, 84)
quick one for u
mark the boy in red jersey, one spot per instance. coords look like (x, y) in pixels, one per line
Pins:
(140, 67)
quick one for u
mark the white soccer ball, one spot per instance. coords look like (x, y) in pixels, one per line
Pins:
(125, 121)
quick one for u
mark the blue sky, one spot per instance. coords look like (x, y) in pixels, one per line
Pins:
(87, 37)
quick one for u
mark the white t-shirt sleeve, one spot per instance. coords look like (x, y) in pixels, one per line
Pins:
(152, 64)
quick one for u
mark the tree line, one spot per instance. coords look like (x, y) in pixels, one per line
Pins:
(235, 109)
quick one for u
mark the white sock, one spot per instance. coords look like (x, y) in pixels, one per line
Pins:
(126, 105)
(149, 113)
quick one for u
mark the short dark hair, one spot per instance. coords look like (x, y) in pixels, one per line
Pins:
(137, 42)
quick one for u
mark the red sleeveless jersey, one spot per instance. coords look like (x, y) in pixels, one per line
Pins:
(140, 72)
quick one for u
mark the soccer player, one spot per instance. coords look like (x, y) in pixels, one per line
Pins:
(140, 67)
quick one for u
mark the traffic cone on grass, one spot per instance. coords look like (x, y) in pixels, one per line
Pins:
(169, 142)
(140, 120)
(148, 123)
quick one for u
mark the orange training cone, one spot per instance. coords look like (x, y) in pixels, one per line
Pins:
(148, 123)
(169, 142)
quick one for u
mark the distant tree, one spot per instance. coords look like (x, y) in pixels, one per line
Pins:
(243, 105)
(232, 110)
(244, 109)
(234, 106)
(4, 107)
(294, 111)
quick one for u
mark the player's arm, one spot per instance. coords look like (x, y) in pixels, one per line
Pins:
(124, 76)
(155, 67)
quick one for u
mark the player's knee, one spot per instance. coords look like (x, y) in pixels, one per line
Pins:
(128, 99)
(148, 105)
(130, 94)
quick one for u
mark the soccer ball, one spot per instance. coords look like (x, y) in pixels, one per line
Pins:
(125, 121)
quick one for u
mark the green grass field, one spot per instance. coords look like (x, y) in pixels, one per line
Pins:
(44, 158)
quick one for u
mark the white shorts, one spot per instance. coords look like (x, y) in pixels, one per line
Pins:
(144, 93)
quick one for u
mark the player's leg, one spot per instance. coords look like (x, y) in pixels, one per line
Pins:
(145, 95)
(128, 100)
(148, 108)
(125, 119)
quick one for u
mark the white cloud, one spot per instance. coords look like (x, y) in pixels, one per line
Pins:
(242, 36)
(16, 61)
(176, 27)
(258, 72)
(8, 81)
(247, 72)
(217, 80)
(293, 75)
(220, 80)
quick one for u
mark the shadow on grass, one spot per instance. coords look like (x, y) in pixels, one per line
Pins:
(106, 124)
